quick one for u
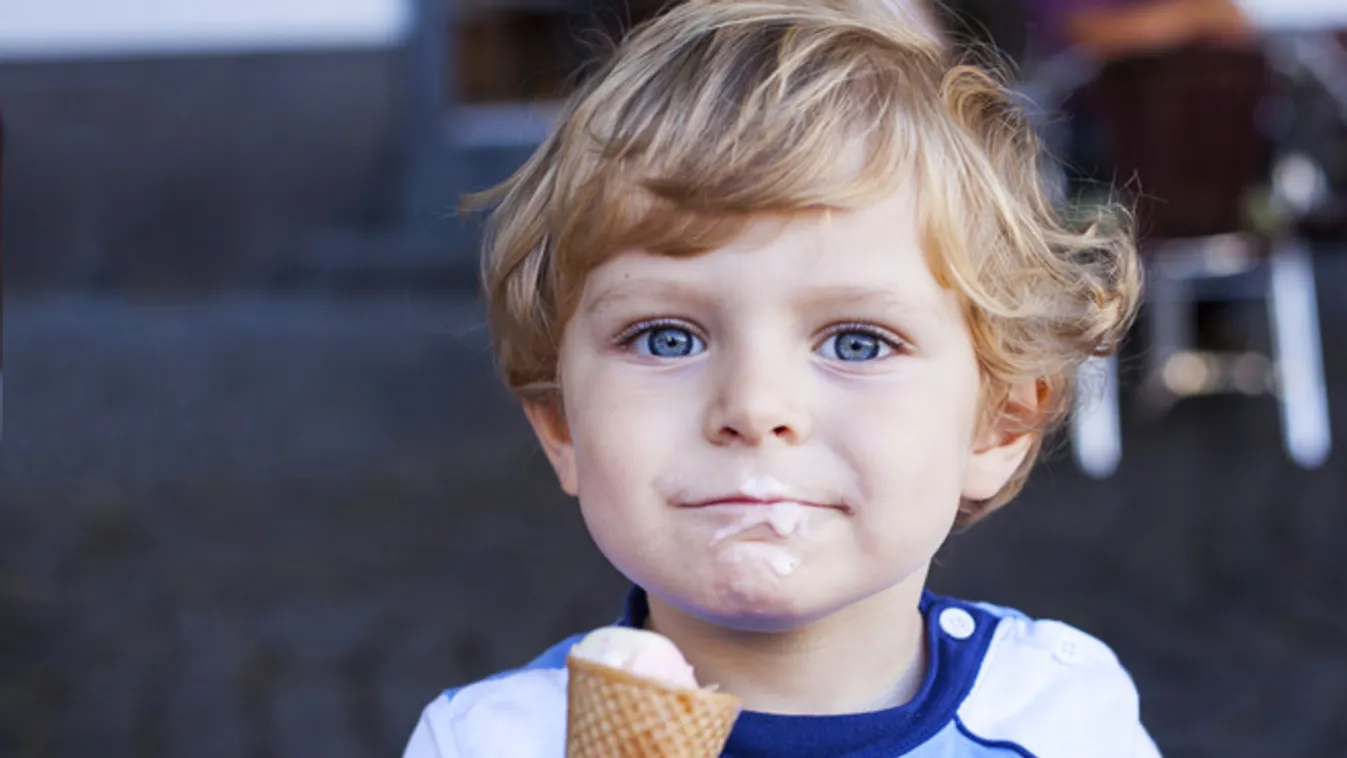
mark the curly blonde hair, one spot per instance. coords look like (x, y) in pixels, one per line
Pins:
(718, 111)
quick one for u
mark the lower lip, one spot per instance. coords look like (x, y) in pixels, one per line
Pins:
(747, 508)
(752, 504)
(783, 519)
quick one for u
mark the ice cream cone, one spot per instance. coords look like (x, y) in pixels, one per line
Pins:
(612, 713)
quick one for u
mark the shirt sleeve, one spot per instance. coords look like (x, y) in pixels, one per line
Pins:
(1056, 692)
(427, 742)
(1144, 746)
(520, 714)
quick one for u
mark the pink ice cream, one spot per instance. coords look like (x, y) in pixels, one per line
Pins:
(639, 652)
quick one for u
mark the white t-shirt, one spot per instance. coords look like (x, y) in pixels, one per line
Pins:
(998, 685)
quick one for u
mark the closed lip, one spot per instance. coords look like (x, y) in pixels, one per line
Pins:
(748, 501)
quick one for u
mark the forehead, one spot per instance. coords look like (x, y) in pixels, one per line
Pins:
(871, 253)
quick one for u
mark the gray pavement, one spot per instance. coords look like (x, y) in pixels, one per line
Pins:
(266, 527)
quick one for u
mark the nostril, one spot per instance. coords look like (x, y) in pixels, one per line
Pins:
(730, 433)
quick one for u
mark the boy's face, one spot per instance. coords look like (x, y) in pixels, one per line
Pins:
(774, 431)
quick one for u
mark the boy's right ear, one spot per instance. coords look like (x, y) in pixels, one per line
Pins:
(549, 424)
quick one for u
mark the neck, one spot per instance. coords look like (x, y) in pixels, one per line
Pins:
(866, 657)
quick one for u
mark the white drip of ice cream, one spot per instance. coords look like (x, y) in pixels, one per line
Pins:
(779, 559)
(785, 518)
(764, 487)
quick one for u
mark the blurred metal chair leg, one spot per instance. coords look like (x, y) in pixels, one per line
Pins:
(1302, 395)
(1096, 434)
(1169, 327)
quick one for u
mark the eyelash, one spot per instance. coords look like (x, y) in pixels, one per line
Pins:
(895, 343)
(627, 337)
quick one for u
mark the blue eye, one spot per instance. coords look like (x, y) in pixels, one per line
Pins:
(855, 345)
(667, 342)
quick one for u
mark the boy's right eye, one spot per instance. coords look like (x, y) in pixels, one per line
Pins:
(665, 341)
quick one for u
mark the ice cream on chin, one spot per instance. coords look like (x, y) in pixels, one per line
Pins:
(631, 694)
(779, 522)
(639, 652)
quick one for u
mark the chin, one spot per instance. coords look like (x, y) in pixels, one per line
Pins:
(781, 616)
(765, 606)
(761, 623)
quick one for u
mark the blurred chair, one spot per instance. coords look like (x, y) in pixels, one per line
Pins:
(1217, 223)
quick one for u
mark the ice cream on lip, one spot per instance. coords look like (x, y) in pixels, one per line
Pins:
(785, 518)
(759, 490)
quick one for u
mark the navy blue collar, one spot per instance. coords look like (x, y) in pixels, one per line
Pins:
(953, 665)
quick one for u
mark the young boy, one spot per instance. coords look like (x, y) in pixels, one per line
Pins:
(785, 302)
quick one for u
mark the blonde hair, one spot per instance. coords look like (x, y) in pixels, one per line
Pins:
(721, 110)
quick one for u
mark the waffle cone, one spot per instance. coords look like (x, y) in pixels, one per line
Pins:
(611, 713)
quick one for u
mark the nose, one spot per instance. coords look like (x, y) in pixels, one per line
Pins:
(757, 399)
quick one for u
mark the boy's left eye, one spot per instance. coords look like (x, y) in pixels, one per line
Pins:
(855, 345)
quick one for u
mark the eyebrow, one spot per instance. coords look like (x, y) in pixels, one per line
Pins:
(888, 298)
(641, 290)
(915, 315)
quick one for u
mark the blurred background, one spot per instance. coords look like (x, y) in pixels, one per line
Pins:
(260, 492)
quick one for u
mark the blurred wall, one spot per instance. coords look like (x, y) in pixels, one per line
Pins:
(160, 171)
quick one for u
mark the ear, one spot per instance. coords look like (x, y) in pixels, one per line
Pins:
(549, 424)
(1003, 442)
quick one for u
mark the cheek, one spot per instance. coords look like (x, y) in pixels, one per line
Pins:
(908, 446)
(915, 426)
(626, 437)
(625, 425)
